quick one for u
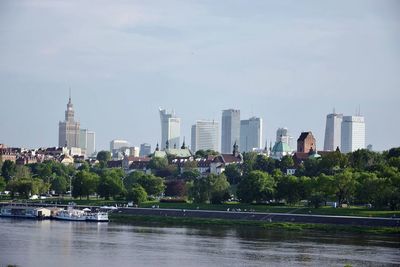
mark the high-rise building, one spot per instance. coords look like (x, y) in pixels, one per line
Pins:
(170, 129)
(117, 144)
(333, 131)
(68, 130)
(353, 134)
(250, 134)
(230, 133)
(90, 143)
(282, 135)
(145, 150)
(134, 151)
(205, 135)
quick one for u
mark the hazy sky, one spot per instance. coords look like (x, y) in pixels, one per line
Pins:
(289, 62)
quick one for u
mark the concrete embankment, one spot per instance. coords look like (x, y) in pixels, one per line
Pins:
(267, 217)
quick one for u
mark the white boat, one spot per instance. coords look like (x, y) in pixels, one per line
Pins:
(97, 216)
(71, 214)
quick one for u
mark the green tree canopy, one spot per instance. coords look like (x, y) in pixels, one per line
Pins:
(84, 184)
(256, 186)
(137, 194)
(8, 169)
(152, 184)
(233, 173)
(110, 183)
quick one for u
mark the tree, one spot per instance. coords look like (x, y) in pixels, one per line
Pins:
(364, 159)
(256, 186)
(8, 170)
(152, 184)
(371, 189)
(323, 188)
(219, 188)
(345, 185)
(190, 174)
(233, 173)
(157, 163)
(249, 160)
(2, 183)
(332, 163)
(137, 194)
(104, 156)
(286, 163)
(84, 184)
(213, 188)
(176, 188)
(265, 164)
(293, 189)
(110, 184)
(59, 184)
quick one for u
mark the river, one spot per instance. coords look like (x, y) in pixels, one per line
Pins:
(57, 243)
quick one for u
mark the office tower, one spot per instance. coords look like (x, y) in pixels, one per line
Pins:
(91, 143)
(205, 135)
(145, 150)
(68, 130)
(333, 131)
(118, 144)
(282, 135)
(250, 134)
(170, 129)
(353, 134)
(306, 142)
(230, 133)
(134, 151)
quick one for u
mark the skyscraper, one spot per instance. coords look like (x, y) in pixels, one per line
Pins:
(230, 130)
(353, 133)
(145, 150)
(205, 135)
(333, 131)
(68, 130)
(250, 134)
(170, 129)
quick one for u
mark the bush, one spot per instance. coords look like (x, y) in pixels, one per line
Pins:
(173, 200)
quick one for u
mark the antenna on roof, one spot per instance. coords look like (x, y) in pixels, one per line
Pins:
(334, 111)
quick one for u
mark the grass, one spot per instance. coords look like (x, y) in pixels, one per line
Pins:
(351, 211)
(159, 220)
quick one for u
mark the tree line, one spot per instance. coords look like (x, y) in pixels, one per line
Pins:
(360, 177)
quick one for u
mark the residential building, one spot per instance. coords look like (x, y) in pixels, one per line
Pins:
(250, 134)
(306, 142)
(145, 150)
(170, 129)
(353, 133)
(68, 130)
(205, 135)
(230, 133)
(333, 131)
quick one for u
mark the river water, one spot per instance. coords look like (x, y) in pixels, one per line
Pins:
(58, 243)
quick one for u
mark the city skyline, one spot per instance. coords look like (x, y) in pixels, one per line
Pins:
(288, 63)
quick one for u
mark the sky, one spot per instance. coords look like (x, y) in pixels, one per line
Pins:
(288, 62)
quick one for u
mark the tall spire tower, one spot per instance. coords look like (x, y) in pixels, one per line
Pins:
(68, 130)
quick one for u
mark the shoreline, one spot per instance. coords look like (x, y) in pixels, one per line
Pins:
(288, 226)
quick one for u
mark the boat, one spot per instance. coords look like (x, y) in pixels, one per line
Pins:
(98, 216)
(25, 212)
(70, 214)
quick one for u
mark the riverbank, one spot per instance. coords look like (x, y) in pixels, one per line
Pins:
(350, 211)
(162, 220)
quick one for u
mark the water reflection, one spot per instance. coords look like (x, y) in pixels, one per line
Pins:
(53, 243)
